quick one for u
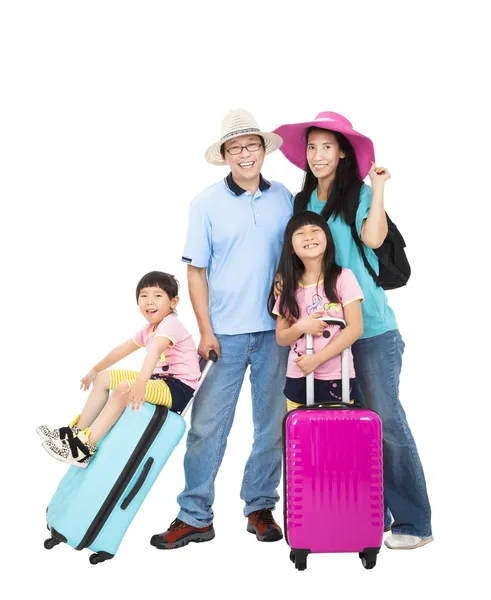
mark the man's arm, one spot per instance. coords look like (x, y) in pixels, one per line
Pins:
(198, 292)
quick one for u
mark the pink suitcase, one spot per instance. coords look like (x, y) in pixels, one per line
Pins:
(334, 497)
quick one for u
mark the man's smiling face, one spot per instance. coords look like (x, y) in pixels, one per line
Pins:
(247, 164)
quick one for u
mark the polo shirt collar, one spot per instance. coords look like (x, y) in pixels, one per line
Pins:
(264, 184)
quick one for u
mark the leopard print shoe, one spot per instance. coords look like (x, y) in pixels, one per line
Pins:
(76, 451)
(63, 433)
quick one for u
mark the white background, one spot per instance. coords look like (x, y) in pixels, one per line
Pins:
(106, 110)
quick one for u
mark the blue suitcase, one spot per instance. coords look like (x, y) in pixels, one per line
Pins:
(92, 508)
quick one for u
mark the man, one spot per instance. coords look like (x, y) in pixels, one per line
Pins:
(232, 250)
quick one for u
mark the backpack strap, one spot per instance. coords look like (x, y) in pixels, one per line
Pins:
(368, 266)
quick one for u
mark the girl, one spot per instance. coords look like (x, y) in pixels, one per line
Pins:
(314, 286)
(336, 159)
(169, 374)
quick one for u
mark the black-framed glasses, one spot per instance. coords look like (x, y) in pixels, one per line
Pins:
(254, 147)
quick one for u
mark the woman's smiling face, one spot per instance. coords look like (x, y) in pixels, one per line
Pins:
(323, 153)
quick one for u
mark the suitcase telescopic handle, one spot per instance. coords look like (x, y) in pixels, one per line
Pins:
(309, 348)
(212, 358)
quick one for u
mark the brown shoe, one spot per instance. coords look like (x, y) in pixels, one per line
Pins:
(262, 523)
(180, 534)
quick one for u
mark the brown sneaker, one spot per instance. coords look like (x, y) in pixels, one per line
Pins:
(180, 534)
(262, 523)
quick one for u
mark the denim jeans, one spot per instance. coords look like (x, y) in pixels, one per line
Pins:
(212, 416)
(378, 362)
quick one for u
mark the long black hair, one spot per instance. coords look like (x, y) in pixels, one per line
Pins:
(291, 268)
(344, 195)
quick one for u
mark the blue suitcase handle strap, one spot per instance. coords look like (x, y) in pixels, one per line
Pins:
(138, 484)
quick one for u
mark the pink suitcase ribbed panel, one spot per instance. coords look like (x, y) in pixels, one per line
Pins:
(334, 480)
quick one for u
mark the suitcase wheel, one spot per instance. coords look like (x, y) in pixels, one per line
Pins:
(50, 543)
(368, 560)
(299, 558)
(99, 557)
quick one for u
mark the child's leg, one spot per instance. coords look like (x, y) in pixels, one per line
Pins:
(156, 392)
(79, 450)
(93, 406)
(110, 413)
(96, 401)
(103, 384)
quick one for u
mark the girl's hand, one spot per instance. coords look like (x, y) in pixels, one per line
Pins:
(378, 174)
(88, 379)
(312, 324)
(136, 395)
(307, 363)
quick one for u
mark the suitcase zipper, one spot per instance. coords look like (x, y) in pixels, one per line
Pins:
(156, 422)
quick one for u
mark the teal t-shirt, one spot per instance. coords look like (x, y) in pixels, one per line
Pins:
(378, 317)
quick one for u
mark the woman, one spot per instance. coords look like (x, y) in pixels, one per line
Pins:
(336, 159)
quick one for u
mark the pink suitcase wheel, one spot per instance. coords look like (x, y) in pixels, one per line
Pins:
(368, 559)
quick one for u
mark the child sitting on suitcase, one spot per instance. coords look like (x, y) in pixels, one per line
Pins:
(312, 286)
(168, 377)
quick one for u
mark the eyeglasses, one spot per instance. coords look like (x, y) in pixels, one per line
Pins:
(254, 147)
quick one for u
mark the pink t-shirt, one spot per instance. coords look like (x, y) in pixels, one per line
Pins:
(312, 299)
(181, 356)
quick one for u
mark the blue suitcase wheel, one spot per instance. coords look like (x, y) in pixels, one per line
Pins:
(99, 557)
(50, 543)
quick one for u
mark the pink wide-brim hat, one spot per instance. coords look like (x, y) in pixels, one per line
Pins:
(294, 145)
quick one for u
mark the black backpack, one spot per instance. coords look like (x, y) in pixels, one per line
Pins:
(394, 269)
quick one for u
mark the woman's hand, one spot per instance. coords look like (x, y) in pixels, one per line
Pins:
(312, 324)
(278, 286)
(378, 174)
(136, 395)
(88, 379)
(307, 363)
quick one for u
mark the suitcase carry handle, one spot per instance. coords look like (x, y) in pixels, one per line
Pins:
(212, 358)
(138, 484)
(344, 364)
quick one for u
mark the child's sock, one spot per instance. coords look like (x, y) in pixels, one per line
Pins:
(84, 437)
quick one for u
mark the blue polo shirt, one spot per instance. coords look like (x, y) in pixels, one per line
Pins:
(378, 317)
(238, 237)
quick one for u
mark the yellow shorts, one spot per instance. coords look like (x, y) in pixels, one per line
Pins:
(156, 390)
(291, 405)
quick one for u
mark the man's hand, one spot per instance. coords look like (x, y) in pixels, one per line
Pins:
(208, 342)
(307, 363)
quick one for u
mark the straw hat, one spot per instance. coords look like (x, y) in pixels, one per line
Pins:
(236, 123)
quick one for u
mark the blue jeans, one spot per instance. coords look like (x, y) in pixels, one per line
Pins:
(212, 416)
(378, 362)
